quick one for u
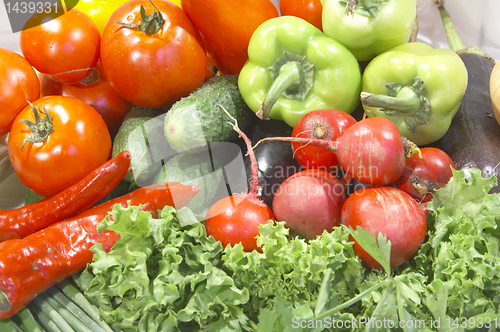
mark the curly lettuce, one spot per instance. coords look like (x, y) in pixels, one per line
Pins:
(165, 274)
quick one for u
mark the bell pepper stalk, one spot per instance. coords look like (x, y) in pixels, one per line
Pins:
(370, 27)
(417, 87)
(293, 68)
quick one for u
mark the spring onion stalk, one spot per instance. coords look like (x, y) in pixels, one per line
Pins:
(66, 303)
(29, 321)
(44, 319)
(53, 314)
(8, 324)
(77, 297)
(71, 319)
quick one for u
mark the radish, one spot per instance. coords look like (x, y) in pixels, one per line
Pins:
(370, 151)
(236, 218)
(392, 212)
(309, 202)
(325, 124)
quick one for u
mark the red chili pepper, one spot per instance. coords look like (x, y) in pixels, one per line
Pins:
(31, 265)
(20, 222)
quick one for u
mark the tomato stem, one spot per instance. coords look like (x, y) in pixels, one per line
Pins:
(150, 24)
(41, 128)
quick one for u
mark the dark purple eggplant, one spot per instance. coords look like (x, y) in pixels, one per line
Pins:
(275, 158)
(473, 139)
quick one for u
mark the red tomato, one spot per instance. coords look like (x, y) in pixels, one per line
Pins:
(324, 124)
(309, 10)
(68, 145)
(236, 219)
(156, 69)
(227, 26)
(389, 211)
(423, 176)
(18, 85)
(65, 47)
(96, 92)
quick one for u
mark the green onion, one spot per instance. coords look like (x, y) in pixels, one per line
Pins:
(77, 297)
(8, 324)
(44, 319)
(74, 309)
(71, 319)
(52, 313)
(29, 321)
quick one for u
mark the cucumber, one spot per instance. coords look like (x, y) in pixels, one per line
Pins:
(141, 133)
(198, 119)
(193, 168)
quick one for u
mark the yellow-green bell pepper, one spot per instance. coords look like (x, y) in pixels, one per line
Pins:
(293, 68)
(369, 27)
(417, 87)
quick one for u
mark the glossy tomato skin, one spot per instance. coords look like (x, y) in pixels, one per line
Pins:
(227, 26)
(79, 143)
(327, 124)
(17, 83)
(423, 175)
(66, 47)
(95, 91)
(236, 219)
(392, 212)
(154, 70)
(309, 10)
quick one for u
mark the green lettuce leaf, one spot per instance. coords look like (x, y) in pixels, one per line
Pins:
(465, 244)
(160, 276)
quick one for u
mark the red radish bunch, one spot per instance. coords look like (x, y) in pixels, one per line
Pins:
(236, 218)
(372, 153)
(310, 202)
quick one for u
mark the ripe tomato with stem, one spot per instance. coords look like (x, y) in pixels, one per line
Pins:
(55, 142)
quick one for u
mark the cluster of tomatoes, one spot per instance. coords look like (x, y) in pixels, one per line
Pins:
(79, 74)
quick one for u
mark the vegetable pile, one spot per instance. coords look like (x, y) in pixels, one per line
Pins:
(167, 272)
(224, 166)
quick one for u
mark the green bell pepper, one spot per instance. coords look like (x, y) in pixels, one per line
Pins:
(417, 87)
(369, 27)
(293, 68)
